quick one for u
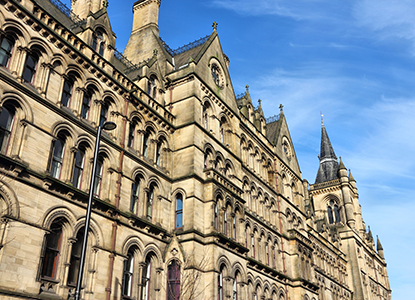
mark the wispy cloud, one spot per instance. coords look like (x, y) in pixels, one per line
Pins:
(389, 18)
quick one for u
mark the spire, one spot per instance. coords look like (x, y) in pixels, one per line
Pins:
(379, 248)
(351, 178)
(341, 166)
(328, 160)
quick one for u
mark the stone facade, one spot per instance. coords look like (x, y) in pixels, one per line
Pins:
(197, 195)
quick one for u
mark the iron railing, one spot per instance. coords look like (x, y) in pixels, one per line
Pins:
(67, 11)
(240, 96)
(272, 119)
(184, 48)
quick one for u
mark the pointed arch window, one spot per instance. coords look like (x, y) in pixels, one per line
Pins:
(333, 213)
(98, 43)
(173, 281)
(135, 196)
(128, 273)
(225, 223)
(86, 104)
(6, 123)
(152, 86)
(6, 48)
(158, 152)
(179, 211)
(52, 250)
(146, 141)
(234, 227)
(75, 258)
(205, 115)
(131, 135)
(30, 68)
(57, 157)
(98, 176)
(145, 280)
(235, 287)
(253, 245)
(150, 199)
(267, 252)
(104, 114)
(215, 220)
(78, 170)
(67, 92)
(220, 285)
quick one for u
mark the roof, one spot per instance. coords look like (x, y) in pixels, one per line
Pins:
(329, 167)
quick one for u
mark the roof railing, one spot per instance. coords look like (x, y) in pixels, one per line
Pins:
(273, 119)
(67, 11)
(184, 48)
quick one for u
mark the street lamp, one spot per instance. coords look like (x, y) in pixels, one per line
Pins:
(106, 126)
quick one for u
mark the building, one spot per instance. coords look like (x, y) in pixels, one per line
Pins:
(197, 196)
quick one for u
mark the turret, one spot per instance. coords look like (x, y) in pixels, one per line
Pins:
(144, 36)
(82, 8)
(379, 248)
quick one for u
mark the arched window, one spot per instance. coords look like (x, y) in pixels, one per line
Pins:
(135, 195)
(152, 86)
(158, 152)
(179, 211)
(30, 68)
(98, 176)
(78, 169)
(104, 114)
(215, 219)
(173, 281)
(333, 212)
(253, 245)
(220, 284)
(150, 199)
(235, 286)
(225, 223)
(86, 104)
(234, 227)
(67, 92)
(205, 115)
(336, 213)
(52, 250)
(330, 215)
(98, 43)
(267, 252)
(145, 280)
(6, 48)
(57, 157)
(222, 129)
(131, 134)
(75, 258)
(6, 123)
(146, 142)
(128, 273)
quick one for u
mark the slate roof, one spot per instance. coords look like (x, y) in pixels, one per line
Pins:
(329, 167)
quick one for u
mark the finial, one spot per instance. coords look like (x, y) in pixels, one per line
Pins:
(259, 102)
(247, 89)
(322, 121)
(281, 106)
(155, 51)
(105, 3)
(215, 26)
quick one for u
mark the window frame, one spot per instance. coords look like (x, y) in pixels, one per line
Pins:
(30, 70)
(7, 52)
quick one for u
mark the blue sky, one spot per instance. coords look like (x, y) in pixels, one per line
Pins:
(354, 61)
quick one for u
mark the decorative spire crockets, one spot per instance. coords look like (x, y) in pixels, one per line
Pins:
(328, 160)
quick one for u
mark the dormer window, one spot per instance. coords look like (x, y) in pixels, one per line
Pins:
(98, 43)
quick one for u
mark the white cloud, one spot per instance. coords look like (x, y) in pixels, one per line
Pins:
(389, 18)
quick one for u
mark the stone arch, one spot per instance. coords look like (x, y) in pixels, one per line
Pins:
(224, 261)
(20, 31)
(40, 45)
(152, 249)
(8, 196)
(93, 227)
(237, 267)
(133, 241)
(13, 97)
(58, 212)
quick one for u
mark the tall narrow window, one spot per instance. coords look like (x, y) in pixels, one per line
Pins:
(103, 115)
(225, 223)
(145, 143)
(101, 48)
(98, 177)
(57, 157)
(78, 169)
(158, 152)
(150, 198)
(67, 92)
(253, 245)
(220, 285)
(330, 215)
(205, 117)
(75, 258)
(234, 227)
(173, 281)
(6, 48)
(152, 87)
(145, 280)
(131, 135)
(179, 211)
(274, 257)
(215, 220)
(6, 123)
(29, 71)
(94, 42)
(267, 250)
(128, 271)
(135, 192)
(235, 287)
(52, 250)
(336, 213)
(86, 104)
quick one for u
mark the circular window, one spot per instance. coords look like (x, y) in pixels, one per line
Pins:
(286, 148)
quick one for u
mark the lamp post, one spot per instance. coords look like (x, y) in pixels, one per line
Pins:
(107, 126)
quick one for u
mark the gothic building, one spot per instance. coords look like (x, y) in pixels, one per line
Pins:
(197, 194)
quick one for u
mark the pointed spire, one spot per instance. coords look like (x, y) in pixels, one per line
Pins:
(379, 245)
(328, 160)
(247, 89)
(260, 107)
(341, 166)
(351, 178)
(369, 235)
